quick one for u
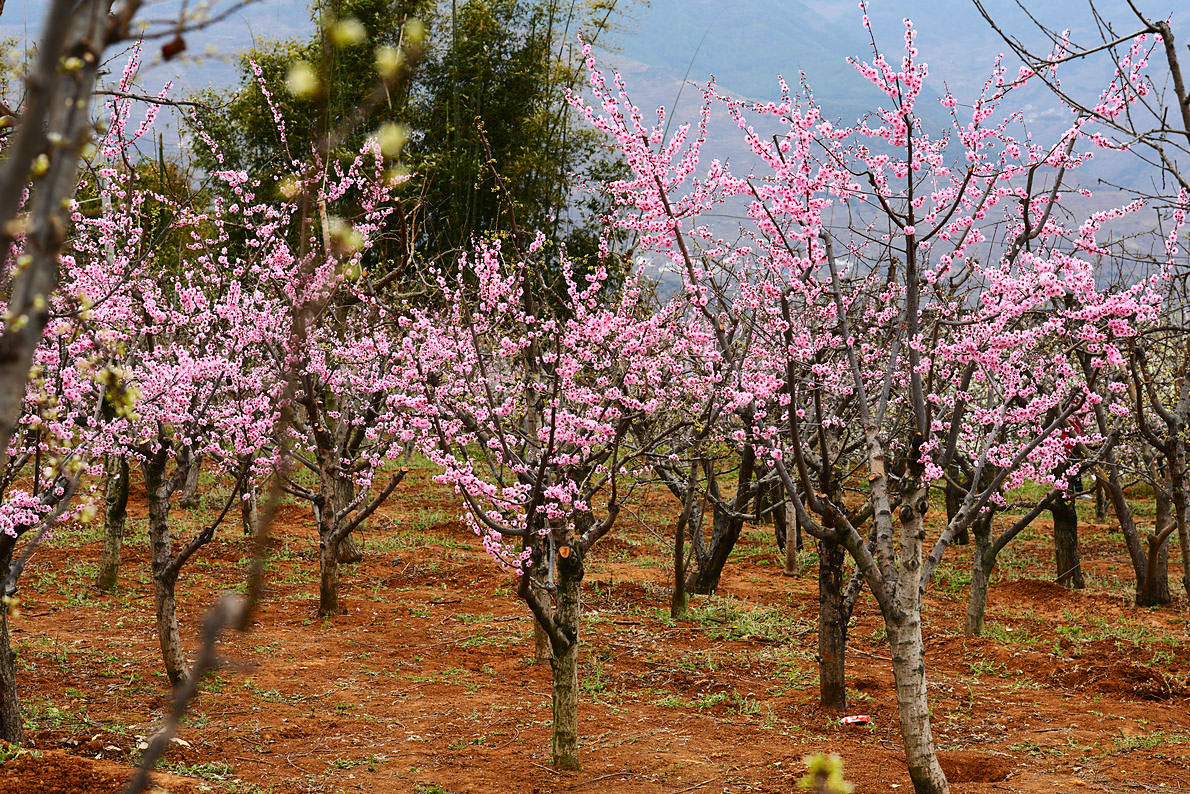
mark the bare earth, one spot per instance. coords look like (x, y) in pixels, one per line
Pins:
(425, 685)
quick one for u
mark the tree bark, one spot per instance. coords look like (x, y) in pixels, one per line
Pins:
(344, 490)
(564, 744)
(542, 653)
(832, 627)
(1153, 589)
(1069, 570)
(703, 578)
(725, 530)
(1100, 501)
(115, 514)
(793, 540)
(11, 729)
(908, 658)
(328, 583)
(349, 551)
(902, 620)
(680, 601)
(954, 502)
(982, 563)
(1181, 511)
(167, 628)
(334, 548)
(1151, 568)
(249, 510)
(161, 547)
(189, 493)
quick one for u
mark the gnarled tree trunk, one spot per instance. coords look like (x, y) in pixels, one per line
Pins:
(726, 525)
(1151, 566)
(189, 493)
(165, 605)
(564, 743)
(11, 729)
(114, 517)
(790, 540)
(983, 560)
(832, 626)
(249, 510)
(1066, 558)
(903, 624)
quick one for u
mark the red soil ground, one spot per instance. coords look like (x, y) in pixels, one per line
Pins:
(424, 684)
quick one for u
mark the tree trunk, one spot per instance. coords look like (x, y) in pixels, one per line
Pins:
(1153, 588)
(167, 629)
(1069, 568)
(348, 550)
(725, 530)
(1181, 511)
(542, 652)
(564, 744)
(328, 584)
(982, 563)
(115, 513)
(11, 729)
(344, 493)
(704, 579)
(249, 510)
(792, 540)
(1100, 501)
(334, 548)
(189, 493)
(954, 503)
(680, 601)
(161, 547)
(902, 621)
(1151, 569)
(908, 658)
(832, 627)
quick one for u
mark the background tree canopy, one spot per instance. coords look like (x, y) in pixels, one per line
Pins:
(492, 147)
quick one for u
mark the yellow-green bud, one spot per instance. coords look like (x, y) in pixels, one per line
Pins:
(414, 31)
(388, 62)
(392, 138)
(345, 237)
(301, 81)
(348, 33)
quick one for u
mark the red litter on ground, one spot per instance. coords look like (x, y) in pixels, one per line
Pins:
(857, 719)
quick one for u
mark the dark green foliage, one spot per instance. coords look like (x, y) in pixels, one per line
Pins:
(491, 78)
(241, 122)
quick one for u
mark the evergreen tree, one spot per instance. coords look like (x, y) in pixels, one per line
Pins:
(492, 143)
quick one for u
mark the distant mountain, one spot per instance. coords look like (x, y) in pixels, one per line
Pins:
(744, 43)
(747, 43)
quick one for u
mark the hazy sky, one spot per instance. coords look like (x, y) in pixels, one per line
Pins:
(744, 43)
(741, 36)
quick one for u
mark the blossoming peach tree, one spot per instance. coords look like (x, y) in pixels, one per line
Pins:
(880, 293)
(532, 402)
